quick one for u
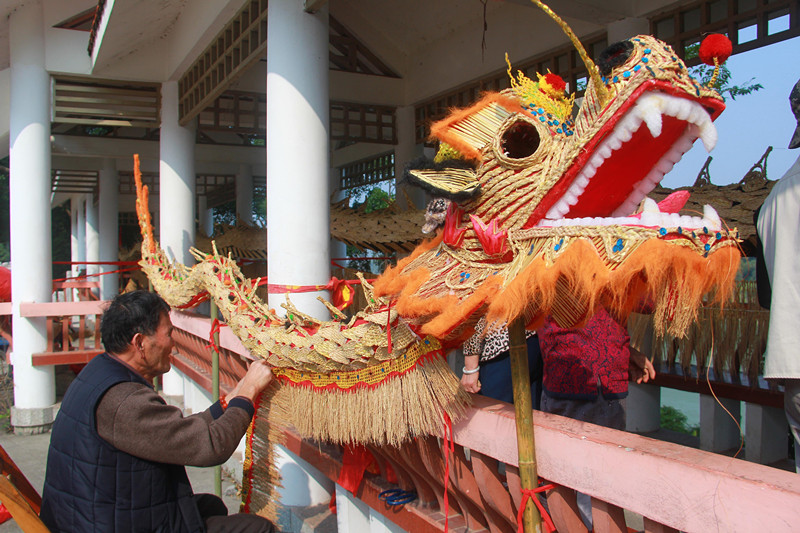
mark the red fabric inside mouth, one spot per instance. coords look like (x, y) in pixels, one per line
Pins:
(617, 177)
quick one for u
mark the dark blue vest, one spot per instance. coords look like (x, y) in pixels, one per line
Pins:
(92, 486)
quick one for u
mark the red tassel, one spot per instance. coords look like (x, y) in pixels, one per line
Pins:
(715, 46)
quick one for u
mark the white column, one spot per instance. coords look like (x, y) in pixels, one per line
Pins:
(205, 216)
(244, 195)
(73, 218)
(176, 195)
(81, 221)
(92, 238)
(298, 209)
(29, 190)
(109, 227)
(405, 151)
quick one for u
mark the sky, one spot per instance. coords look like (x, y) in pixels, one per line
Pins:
(750, 123)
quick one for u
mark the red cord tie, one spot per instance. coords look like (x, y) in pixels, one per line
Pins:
(216, 326)
(530, 494)
(449, 448)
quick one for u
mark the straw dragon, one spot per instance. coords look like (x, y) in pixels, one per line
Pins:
(544, 220)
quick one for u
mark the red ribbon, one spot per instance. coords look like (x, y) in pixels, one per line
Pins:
(449, 448)
(216, 326)
(530, 494)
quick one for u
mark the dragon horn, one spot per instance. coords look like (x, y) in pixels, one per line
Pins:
(143, 208)
(594, 73)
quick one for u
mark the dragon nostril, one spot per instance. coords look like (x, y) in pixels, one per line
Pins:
(614, 56)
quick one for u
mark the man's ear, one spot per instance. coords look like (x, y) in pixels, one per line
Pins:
(137, 341)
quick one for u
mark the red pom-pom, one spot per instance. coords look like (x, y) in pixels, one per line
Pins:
(714, 46)
(555, 81)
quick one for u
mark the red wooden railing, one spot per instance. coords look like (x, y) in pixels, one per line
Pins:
(671, 486)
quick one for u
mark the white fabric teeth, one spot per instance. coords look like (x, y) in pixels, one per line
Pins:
(651, 217)
(648, 110)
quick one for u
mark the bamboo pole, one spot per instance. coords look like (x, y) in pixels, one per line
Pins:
(523, 410)
(215, 390)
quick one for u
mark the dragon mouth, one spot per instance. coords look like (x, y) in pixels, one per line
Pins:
(631, 160)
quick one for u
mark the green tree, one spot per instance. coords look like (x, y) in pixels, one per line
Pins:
(675, 420)
(723, 84)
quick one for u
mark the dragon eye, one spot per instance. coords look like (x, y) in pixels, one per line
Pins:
(520, 140)
(614, 56)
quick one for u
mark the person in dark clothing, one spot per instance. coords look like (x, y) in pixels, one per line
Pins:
(118, 452)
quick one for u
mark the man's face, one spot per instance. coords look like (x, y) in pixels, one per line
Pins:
(157, 349)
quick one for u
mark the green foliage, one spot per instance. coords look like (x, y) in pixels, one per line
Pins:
(723, 85)
(5, 252)
(675, 420)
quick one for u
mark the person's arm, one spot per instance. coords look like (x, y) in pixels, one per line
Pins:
(473, 348)
(470, 380)
(134, 419)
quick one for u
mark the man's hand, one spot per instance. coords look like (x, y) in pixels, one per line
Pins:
(640, 368)
(253, 383)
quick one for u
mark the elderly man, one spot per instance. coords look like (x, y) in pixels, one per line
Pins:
(779, 230)
(117, 451)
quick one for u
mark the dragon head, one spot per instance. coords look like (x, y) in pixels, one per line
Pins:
(550, 213)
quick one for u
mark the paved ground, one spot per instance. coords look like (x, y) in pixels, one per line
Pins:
(30, 454)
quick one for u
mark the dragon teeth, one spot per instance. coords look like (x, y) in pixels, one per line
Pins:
(710, 215)
(649, 110)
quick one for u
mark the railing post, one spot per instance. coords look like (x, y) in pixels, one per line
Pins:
(215, 387)
(521, 383)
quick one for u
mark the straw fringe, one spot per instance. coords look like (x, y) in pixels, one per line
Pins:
(260, 478)
(402, 407)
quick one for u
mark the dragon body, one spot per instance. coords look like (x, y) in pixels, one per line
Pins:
(548, 216)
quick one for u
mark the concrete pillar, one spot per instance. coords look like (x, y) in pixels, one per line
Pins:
(177, 182)
(109, 227)
(765, 434)
(29, 191)
(643, 408)
(718, 431)
(244, 195)
(303, 485)
(81, 257)
(355, 516)
(405, 151)
(73, 219)
(620, 30)
(92, 239)
(205, 216)
(298, 145)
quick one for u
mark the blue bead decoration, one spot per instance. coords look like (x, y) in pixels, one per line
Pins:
(719, 235)
(637, 68)
(662, 231)
(618, 246)
(680, 230)
(645, 60)
(555, 122)
(616, 79)
(542, 119)
(705, 229)
(559, 130)
(707, 247)
(646, 50)
(626, 74)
